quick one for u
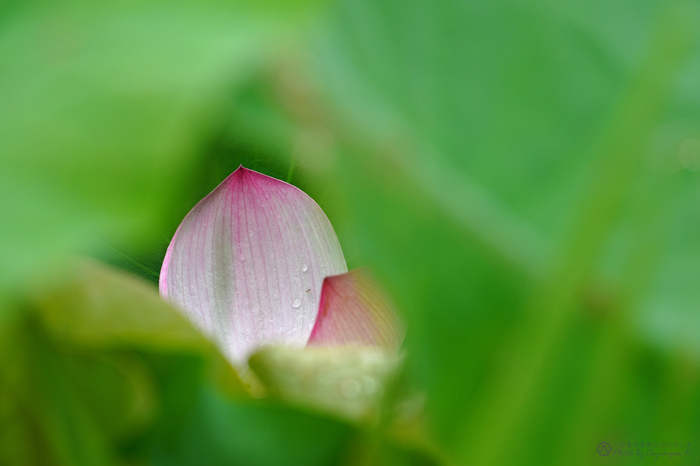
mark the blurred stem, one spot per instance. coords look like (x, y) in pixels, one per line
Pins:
(481, 215)
(477, 212)
(607, 372)
(529, 354)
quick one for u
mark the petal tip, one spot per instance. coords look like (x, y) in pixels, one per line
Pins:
(244, 258)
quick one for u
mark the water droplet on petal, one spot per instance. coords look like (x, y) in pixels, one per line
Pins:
(305, 267)
(296, 304)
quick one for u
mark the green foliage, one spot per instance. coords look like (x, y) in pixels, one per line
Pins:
(105, 106)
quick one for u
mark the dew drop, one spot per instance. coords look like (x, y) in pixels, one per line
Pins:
(296, 304)
(305, 267)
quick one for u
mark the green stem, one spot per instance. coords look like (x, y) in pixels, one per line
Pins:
(529, 354)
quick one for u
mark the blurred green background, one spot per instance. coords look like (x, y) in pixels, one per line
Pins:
(522, 176)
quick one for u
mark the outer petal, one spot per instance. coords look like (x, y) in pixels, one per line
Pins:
(247, 263)
(354, 311)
